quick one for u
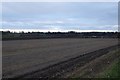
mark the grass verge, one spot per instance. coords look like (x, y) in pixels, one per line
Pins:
(113, 71)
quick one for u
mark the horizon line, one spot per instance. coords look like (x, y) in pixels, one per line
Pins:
(38, 30)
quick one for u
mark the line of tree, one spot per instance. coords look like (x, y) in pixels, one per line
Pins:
(7, 35)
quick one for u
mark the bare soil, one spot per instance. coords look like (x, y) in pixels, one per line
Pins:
(96, 67)
(25, 56)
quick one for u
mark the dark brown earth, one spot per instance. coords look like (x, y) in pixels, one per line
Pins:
(82, 64)
(96, 68)
(22, 57)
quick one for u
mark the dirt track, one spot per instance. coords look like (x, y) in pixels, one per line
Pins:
(24, 56)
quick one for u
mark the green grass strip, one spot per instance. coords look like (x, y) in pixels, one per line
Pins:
(113, 71)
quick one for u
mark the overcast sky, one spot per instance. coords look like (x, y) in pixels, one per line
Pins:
(60, 16)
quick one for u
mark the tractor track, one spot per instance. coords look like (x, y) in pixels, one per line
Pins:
(58, 70)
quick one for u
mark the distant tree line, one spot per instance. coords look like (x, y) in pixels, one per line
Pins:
(7, 35)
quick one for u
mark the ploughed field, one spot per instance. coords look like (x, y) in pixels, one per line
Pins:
(24, 56)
